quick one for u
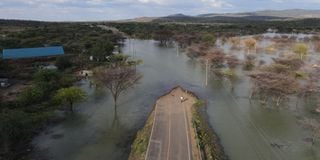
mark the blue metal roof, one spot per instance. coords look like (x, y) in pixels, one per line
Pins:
(32, 52)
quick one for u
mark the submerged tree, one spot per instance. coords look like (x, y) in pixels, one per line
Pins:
(117, 79)
(208, 39)
(70, 96)
(250, 44)
(272, 85)
(301, 49)
(216, 57)
(163, 36)
(235, 42)
(249, 63)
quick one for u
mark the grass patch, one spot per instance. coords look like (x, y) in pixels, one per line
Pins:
(207, 140)
(140, 144)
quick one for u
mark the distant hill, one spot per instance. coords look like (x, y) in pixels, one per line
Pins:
(266, 15)
(291, 13)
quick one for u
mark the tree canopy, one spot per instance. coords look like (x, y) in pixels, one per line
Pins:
(69, 96)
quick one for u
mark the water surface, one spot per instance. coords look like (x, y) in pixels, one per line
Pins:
(247, 130)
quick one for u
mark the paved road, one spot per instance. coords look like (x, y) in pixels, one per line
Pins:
(170, 137)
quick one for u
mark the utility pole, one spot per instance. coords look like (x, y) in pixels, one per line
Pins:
(207, 65)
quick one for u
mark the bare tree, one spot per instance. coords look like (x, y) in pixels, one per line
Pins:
(117, 79)
(272, 85)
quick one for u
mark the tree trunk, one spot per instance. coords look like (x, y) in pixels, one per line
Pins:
(115, 98)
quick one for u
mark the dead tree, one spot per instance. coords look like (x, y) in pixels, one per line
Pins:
(117, 80)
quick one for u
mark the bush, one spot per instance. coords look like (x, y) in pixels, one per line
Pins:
(48, 80)
(31, 95)
(249, 63)
(17, 127)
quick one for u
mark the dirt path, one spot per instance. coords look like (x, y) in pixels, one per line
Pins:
(172, 136)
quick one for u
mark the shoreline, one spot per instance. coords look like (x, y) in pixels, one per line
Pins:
(203, 148)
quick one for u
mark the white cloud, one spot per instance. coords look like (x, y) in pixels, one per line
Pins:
(217, 3)
(124, 9)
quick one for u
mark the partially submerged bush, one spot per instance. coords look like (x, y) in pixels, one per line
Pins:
(249, 63)
(272, 85)
(232, 61)
(292, 63)
(250, 43)
(301, 49)
(271, 48)
(216, 58)
(277, 68)
(235, 42)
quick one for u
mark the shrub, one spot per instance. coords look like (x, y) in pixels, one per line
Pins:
(16, 128)
(250, 43)
(31, 95)
(249, 63)
(301, 49)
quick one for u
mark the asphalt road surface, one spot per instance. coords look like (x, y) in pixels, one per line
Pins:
(170, 136)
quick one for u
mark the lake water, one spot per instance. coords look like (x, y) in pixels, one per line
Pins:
(247, 130)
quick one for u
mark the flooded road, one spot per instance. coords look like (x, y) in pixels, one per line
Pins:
(247, 130)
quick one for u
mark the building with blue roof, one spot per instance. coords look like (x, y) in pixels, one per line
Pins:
(32, 52)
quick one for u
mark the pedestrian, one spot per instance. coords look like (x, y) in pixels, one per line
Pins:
(181, 99)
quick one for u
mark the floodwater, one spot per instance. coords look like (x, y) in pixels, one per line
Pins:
(247, 130)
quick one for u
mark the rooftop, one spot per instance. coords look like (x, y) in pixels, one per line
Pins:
(32, 52)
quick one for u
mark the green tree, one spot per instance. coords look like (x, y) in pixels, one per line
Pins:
(47, 79)
(101, 50)
(301, 49)
(31, 95)
(209, 39)
(70, 96)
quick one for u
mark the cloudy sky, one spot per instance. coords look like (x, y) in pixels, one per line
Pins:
(91, 10)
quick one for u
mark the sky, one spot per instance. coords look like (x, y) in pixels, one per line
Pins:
(98, 10)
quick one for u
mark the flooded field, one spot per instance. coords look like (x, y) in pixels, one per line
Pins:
(248, 130)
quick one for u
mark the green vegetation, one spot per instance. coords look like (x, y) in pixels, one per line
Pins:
(140, 144)
(206, 138)
(23, 117)
(32, 110)
(301, 49)
(80, 41)
(70, 96)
